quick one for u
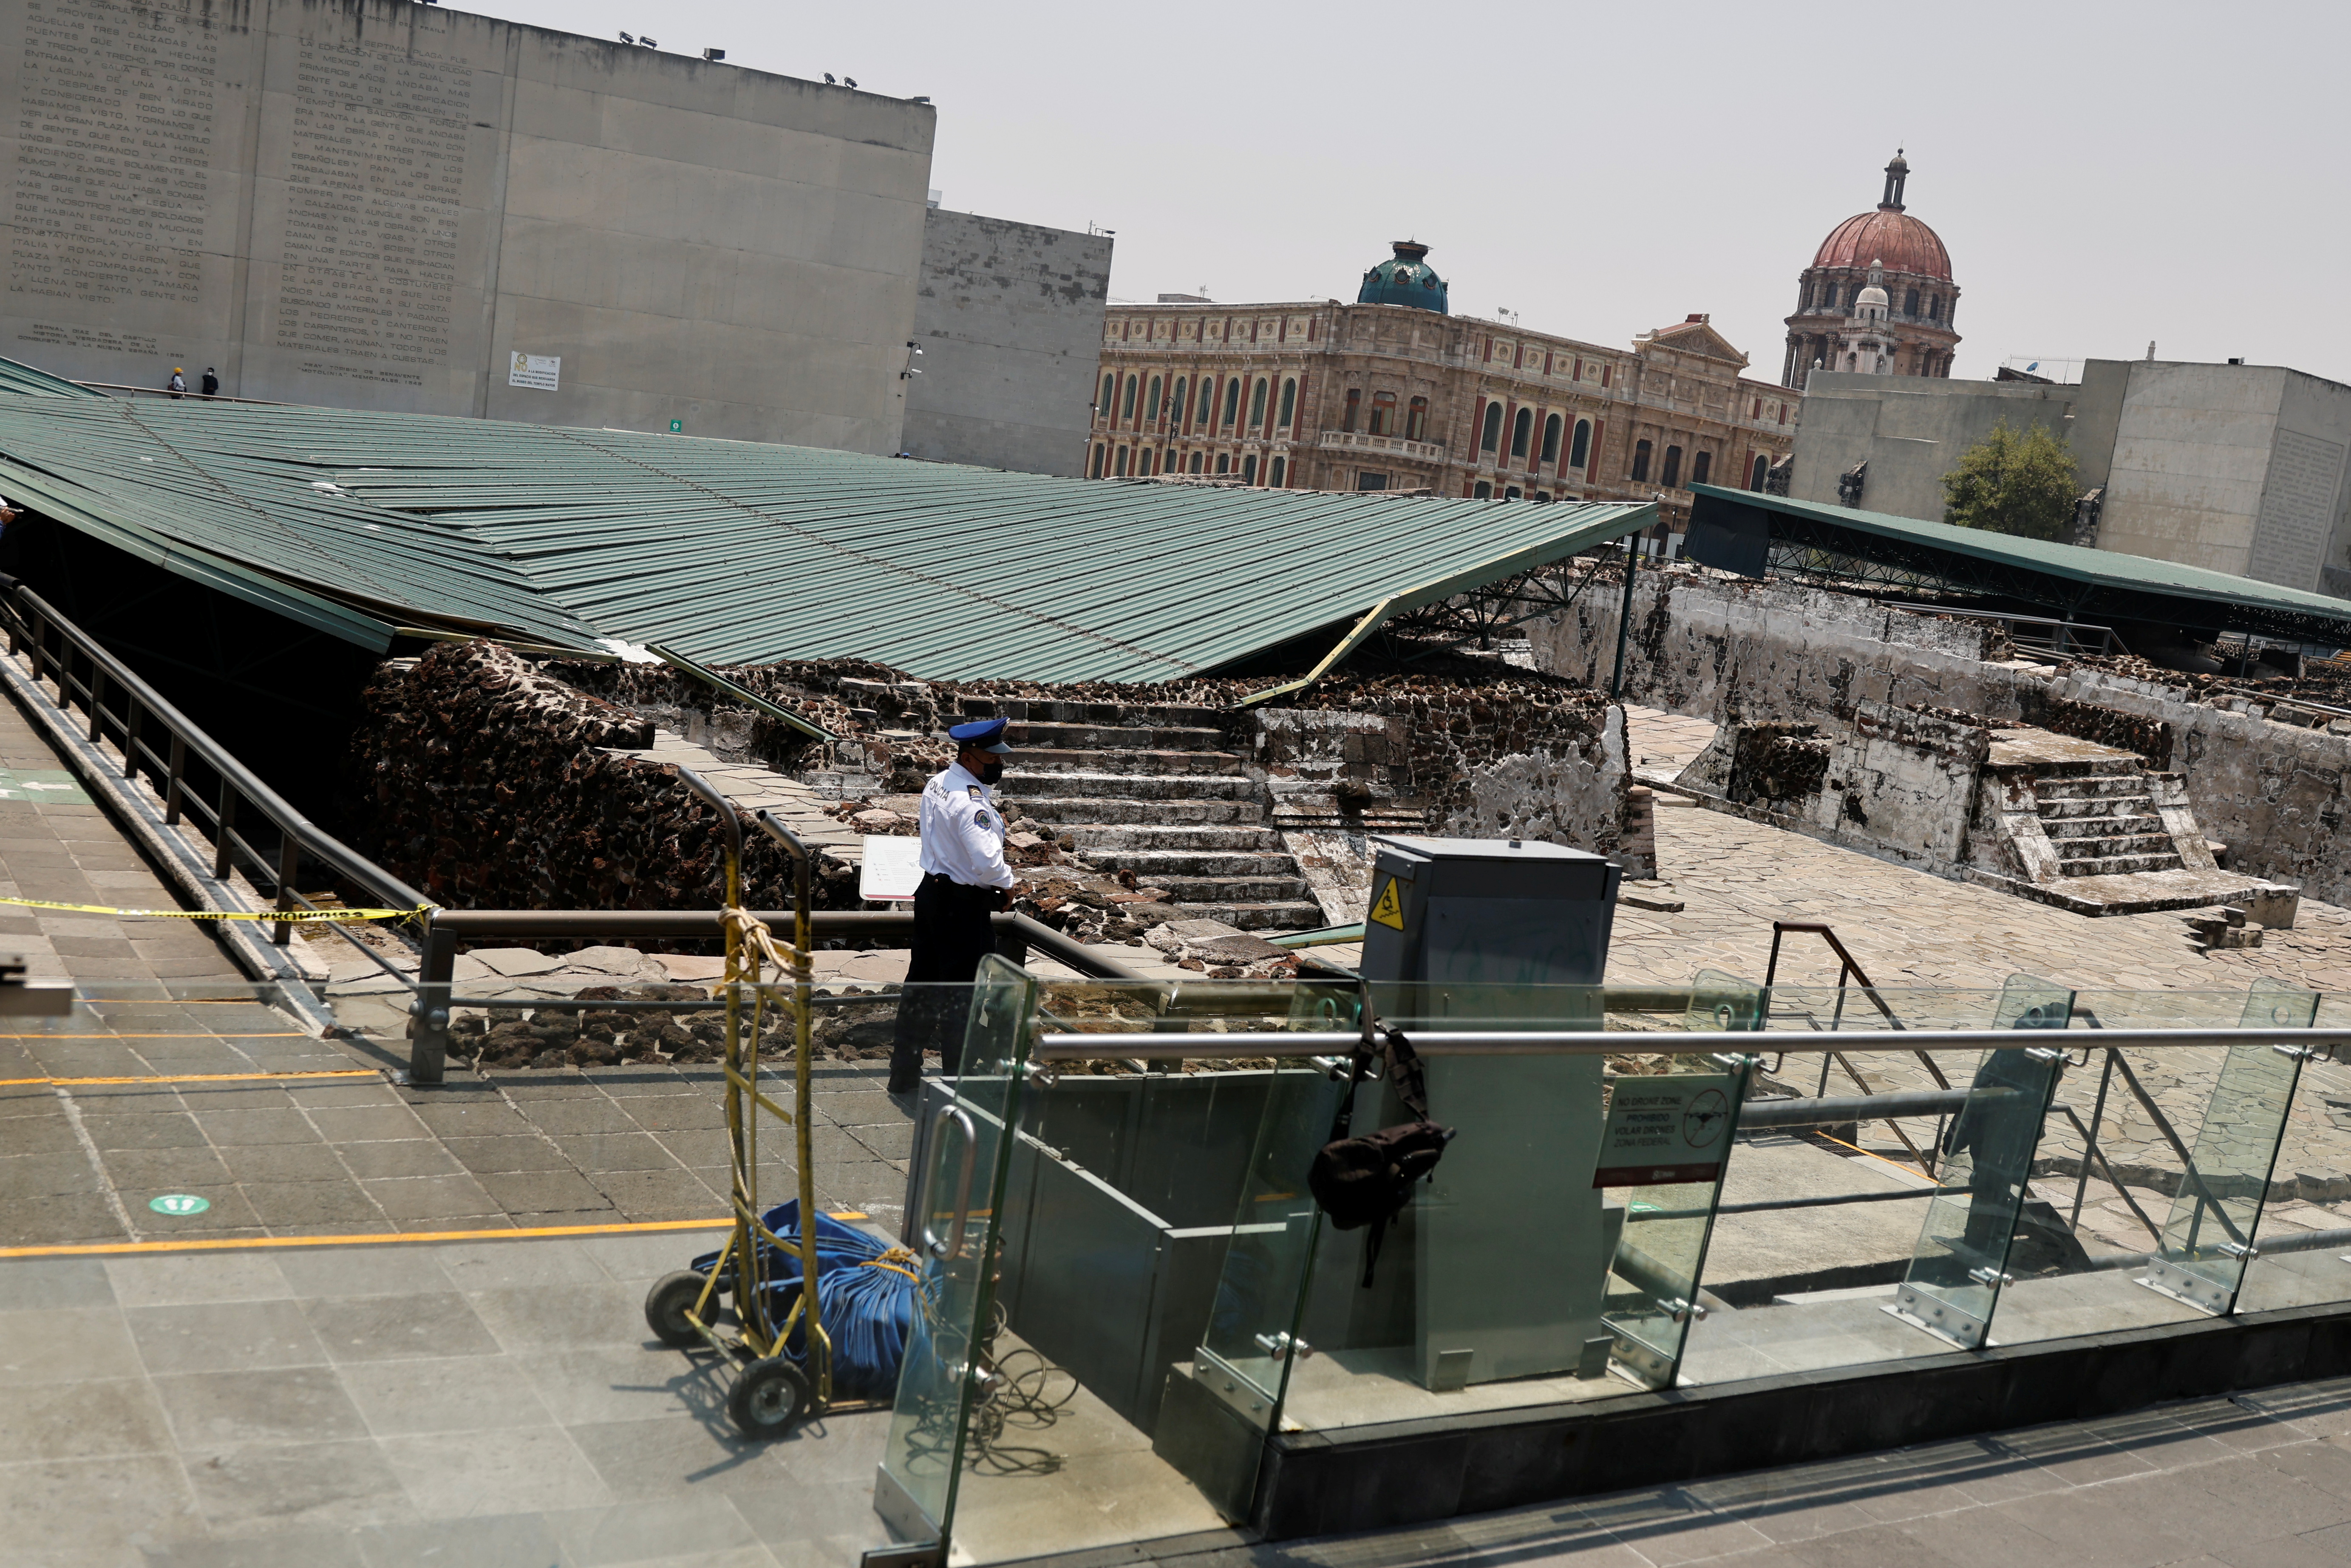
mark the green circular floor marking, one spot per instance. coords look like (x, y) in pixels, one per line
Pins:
(179, 1203)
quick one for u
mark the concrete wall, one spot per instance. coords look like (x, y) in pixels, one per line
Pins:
(2235, 468)
(1009, 319)
(1729, 650)
(1911, 430)
(377, 205)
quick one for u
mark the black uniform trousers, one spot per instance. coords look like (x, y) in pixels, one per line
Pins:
(951, 936)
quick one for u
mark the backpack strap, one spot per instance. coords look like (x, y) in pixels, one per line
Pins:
(1361, 1063)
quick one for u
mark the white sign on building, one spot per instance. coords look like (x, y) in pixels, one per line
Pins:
(537, 371)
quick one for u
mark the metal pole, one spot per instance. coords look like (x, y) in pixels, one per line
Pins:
(428, 1051)
(1624, 622)
(2090, 1140)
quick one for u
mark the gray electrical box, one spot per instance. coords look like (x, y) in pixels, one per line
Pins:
(1511, 1242)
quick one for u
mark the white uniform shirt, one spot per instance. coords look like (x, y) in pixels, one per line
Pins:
(963, 830)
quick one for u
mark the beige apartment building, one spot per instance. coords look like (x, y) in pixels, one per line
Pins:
(1393, 392)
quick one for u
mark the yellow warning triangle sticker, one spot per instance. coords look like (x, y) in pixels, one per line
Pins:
(1389, 910)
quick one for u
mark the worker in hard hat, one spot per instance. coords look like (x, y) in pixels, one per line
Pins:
(177, 386)
(965, 882)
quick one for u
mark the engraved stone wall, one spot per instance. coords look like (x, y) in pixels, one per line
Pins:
(378, 205)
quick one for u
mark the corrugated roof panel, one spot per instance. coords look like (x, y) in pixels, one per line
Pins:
(2074, 563)
(736, 551)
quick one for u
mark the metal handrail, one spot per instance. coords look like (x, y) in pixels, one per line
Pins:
(1116, 1044)
(29, 618)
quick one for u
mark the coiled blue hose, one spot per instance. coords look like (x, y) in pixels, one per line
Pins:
(865, 1297)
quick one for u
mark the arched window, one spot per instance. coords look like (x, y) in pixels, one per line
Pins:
(1761, 471)
(1523, 429)
(1640, 463)
(1484, 492)
(1354, 402)
(1196, 462)
(1384, 413)
(1094, 469)
(1701, 465)
(1108, 408)
(1492, 436)
(1278, 465)
(1224, 462)
(1828, 295)
(1513, 494)
(1289, 406)
(1257, 403)
(1208, 400)
(1232, 403)
(1672, 477)
(1935, 307)
(1120, 468)
(1415, 420)
(1176, 402)
(1579, 451)
(1127, 409)
(1910, 302)
(1248, 464)
(1150, 404)
(1552, 428)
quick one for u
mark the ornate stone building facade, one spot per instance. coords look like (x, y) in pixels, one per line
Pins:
(1395, 394)
(1888, 249)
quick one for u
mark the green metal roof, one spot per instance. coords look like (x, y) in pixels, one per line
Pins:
(731, 551)
(2071, 578)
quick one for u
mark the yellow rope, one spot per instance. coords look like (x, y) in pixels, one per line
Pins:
(895, 1261)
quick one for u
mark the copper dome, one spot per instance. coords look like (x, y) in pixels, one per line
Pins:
(1887, 236)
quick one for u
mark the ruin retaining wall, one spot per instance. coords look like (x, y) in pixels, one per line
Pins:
(1736, 650)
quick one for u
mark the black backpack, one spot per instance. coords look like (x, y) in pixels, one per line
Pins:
(1368, 1180)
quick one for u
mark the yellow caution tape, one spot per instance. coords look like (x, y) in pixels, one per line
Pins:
(269, 915)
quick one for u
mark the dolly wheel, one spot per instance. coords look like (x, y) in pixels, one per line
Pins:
(666, 1305)
(769, 1398)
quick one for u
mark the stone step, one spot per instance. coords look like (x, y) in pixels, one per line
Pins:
(1098, 838)
(2109, 865)
(1289, 915)
(1102, 736)
(2117, 844)
(1038, 710)
(1169, 765)
(1237, 807)
(2101, 827)
(1132, 786)
(1154, 865)
(1230, 889)
(2056, 810)
(2089, 786)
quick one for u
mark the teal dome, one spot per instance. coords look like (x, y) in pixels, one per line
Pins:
(1405, 278)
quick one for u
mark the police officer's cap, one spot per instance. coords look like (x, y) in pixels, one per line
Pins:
(987, 734)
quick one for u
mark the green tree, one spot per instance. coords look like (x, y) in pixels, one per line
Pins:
(2016, 482)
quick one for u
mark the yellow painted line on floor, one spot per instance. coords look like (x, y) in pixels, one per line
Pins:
(1881, 1159)
(371, 1239)
(203, 1077)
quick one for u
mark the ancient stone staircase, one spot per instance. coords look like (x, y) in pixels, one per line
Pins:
(1151, 790)
(2100, 818)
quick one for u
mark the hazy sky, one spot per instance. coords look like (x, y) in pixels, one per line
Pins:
(2102, 174)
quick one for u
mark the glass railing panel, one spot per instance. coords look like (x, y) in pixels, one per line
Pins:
(1985, 1164)
(2305, 1229)
(954, 1221)
(2208, 1239)
(1664, 1150)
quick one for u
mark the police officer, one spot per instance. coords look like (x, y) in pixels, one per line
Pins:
(965, 881)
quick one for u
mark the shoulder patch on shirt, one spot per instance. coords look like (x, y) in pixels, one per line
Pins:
(981, 818)
(974, 792)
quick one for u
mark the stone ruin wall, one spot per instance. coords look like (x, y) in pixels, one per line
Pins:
(1733, 649)
(483, 782)
(481, 777)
